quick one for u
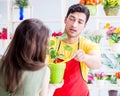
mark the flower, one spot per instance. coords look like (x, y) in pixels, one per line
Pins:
(117, 75)
(90, 2)
(99, 75)
(3, 34)
(52, 51)
(113, 33)
(111, 3)
(95, 36)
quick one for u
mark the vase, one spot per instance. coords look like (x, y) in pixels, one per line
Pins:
(56, 72)
(113, 92)
(111, 11)
(92, 9)
(118, 82)
(100, 82)
(116, 47)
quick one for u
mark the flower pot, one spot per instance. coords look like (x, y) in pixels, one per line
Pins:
(100, 82)
(116, 47)
(111, 11)
(56, 72)
(118, 82)
(113, 92)
(92, 9)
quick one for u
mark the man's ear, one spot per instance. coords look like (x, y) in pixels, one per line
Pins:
(65, 20)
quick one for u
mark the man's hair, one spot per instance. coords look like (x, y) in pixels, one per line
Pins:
(79, 8)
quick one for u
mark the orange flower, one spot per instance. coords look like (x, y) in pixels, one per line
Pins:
(117, 75)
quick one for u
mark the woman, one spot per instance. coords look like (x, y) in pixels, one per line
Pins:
(22, 68)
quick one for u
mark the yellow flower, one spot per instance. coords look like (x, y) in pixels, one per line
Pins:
(107, 25)
(117, 30)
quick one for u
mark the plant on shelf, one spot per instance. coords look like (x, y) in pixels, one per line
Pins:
(111, 78)
(95, 36)
(90, 77)
(21, 4)
(117, 75)
(99, 75)
(111, 7)
(112, 61)
(91, 5)
(113, 33)
(52, 51)
(3, 34)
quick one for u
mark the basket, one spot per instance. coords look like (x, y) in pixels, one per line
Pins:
(111, 11)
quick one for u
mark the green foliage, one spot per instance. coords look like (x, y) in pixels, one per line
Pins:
(21, 3)
(111, 60)
(111, 78)
(53, 52)
(115, 37)
(111, 3)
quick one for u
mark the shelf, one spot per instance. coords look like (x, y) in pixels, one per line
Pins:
(105, 86)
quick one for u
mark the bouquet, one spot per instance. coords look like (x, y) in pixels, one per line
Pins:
(113, 33)
(99, 75)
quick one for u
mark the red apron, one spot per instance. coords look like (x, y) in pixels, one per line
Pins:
(74, 84)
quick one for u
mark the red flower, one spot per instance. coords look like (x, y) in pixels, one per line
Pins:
(54, 34)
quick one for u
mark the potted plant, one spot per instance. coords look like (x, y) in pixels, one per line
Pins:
(21, 4)
(117, 74)
(57, 69)
(94, 36)
(113, 35)
(91, 5)
(111, 7)
(99, 76)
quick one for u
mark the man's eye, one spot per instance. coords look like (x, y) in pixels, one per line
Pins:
(71, 19)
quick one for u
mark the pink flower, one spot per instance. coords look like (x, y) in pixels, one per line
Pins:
(100, 75)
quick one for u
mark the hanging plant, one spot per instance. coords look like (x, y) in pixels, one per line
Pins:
(21, 4)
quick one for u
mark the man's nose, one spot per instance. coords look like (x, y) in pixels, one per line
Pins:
(75, 24)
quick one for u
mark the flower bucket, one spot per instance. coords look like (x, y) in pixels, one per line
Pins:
(116, 47)
(111, 11)
(118, 82)
(92, 9)
(113, 92)
(56, 72)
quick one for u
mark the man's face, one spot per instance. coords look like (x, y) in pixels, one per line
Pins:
(74, 24)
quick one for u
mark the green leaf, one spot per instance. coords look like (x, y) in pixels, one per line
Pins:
(64, 36)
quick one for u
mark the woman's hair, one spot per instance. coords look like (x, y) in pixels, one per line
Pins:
(79, 8)
(27, 51)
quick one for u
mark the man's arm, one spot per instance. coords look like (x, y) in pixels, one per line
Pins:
(92, 60)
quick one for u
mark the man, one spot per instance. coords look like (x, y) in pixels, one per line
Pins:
(85, 55)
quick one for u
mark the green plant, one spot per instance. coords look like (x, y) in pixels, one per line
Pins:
(111, 78)
(21, 3)
(52, 51)
(113, 33)
(112, 61)
(94, 36)
(111, 3)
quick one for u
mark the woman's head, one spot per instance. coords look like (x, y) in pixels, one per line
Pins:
(26, 51)
(29, 42)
